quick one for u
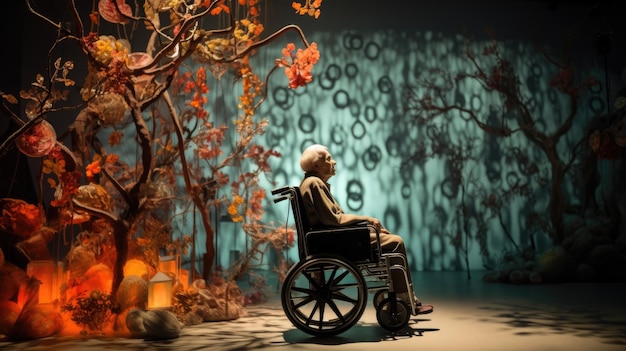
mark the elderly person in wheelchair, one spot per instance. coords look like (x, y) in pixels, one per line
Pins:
(343, 257)
(322, 209)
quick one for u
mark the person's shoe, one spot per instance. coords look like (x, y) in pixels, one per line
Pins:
(424, 309)
(419, 306)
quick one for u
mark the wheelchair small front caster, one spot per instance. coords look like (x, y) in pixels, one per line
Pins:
(393, 315)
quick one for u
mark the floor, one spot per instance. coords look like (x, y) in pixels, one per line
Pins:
(469, 315)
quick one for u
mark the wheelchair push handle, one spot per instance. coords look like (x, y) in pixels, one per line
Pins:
(285, 193)
(282, 190)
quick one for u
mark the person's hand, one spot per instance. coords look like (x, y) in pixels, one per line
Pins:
(376, 223)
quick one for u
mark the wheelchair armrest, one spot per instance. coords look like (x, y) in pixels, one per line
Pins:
(354, 226)
(281, 198)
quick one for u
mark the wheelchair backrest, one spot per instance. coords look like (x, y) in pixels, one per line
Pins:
(302, 222)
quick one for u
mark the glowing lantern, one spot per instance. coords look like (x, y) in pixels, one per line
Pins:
(60, 278)
(169, 264)
(44, 271)
(159, 292)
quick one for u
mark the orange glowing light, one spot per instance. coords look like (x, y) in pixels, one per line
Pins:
(159, 292)
(43, 270)
(169, 264)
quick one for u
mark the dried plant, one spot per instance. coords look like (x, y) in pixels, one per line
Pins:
(146, 85)
(92, 312)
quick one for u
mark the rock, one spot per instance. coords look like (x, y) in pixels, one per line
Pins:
(35, 322)
(229, 311)
(133, 293)
(599, 225)
(535, 278)
(79, 260)
(516, 277)
(161, 325)
(153, 325)
(134, 323)
(585, 272)
(11, 276)
(530, 265)
(604, 255)
(553, 265)
(9, 311)
(201, 310)
(609, 263)
(192, 318)
(581, 243)
(573, 222)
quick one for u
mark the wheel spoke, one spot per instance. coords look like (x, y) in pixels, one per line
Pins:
(307, 291)
(343, 297)
(335, 281)
(337, 287)
(305, 301)
(335, 309)
(322, 309)
(312, 314)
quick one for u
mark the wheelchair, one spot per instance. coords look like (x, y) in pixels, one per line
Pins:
(326, 292)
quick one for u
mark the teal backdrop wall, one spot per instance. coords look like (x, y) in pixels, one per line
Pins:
(370, 52)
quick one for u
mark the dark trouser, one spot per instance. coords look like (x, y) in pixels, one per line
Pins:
(394, 243)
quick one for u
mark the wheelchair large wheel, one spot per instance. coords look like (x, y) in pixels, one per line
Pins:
(393, 315)
(324, 295)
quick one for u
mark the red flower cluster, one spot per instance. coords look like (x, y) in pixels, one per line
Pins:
(260, 156)
(199, 97)
(213, 139)
(117, 74)
(310, 7)
(298, 64)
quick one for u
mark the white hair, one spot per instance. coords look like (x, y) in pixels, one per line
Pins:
(310, 156)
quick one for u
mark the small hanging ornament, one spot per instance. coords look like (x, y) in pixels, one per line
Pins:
(38, 141)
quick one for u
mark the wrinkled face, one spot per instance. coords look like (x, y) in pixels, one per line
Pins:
(325, 166)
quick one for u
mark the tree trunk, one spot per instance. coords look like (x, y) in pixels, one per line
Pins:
(120, 234)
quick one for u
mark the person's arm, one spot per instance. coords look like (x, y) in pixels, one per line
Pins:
(317, 195)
